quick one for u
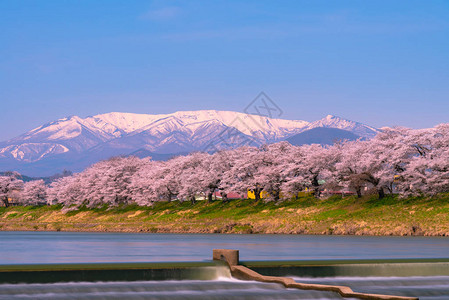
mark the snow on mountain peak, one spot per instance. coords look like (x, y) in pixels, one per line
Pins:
(331, 121)
(115, 133)
(128, 122)
(247, 124)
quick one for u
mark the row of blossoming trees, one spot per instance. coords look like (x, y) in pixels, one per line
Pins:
(397, 160)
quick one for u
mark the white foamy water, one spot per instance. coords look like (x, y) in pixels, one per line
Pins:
(186, 289)
(424, 287)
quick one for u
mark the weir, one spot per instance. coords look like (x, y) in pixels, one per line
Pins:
(309, 275)
(231, 257)
(53, 273)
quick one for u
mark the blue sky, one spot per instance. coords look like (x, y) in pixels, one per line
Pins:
(383, 63)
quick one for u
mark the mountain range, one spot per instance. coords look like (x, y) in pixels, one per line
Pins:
(74, 143)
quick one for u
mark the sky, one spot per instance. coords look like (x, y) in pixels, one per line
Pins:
(383, 63)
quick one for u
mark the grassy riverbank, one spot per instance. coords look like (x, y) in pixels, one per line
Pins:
(336, 215)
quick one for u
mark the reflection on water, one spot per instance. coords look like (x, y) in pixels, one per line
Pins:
(72, 247)
(424, 287)
(220, 289)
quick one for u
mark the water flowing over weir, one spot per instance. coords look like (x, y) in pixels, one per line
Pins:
(186, 289)
(113, 272)
(426, 287)
(426, 280)
(211, 280)
(218, 279)
(231, 257)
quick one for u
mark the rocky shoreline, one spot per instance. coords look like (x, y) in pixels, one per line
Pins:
(236, 228)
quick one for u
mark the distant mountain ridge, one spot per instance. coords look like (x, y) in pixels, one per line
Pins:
(74, 143)
(356, 128)
(322, 136)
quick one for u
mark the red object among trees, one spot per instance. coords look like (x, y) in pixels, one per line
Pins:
(397, 160)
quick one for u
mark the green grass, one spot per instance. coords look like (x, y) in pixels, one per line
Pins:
(334, 215)
(330, 214)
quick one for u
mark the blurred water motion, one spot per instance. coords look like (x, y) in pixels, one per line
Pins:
(220, 289)
(424, 287)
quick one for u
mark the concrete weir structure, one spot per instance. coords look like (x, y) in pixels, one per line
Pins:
(408, 277)
(109, 272)
(231, 257)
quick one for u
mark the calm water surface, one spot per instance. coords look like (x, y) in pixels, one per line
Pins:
(68, 247)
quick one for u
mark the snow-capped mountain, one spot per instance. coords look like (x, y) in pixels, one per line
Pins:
(68, 134)
(357, 128)
(75, 142)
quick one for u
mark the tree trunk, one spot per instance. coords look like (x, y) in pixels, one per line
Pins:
(391, 188)
(359, 192)
(276, 195)
(381, 193)
(5, 201)
(192, 199)
(224, 197)
(316, 186)
(257, 192)
(209, 197)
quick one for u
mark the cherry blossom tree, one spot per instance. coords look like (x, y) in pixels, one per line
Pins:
(215, 168)
(157, 181)
(67, 191)
(142, 183)
(34, 193)
(368, 164)
(10, 185)
(438, 161)
(270, 174)
(244, 173)
(353, 168)
(219, 172)
(293, 171)
(106, 182)
(412, 162)
(311, 165)
(193, 176)
(426, 172)
(113, 178)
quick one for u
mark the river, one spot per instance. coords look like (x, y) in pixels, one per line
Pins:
(64, 247)
(77, 247)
